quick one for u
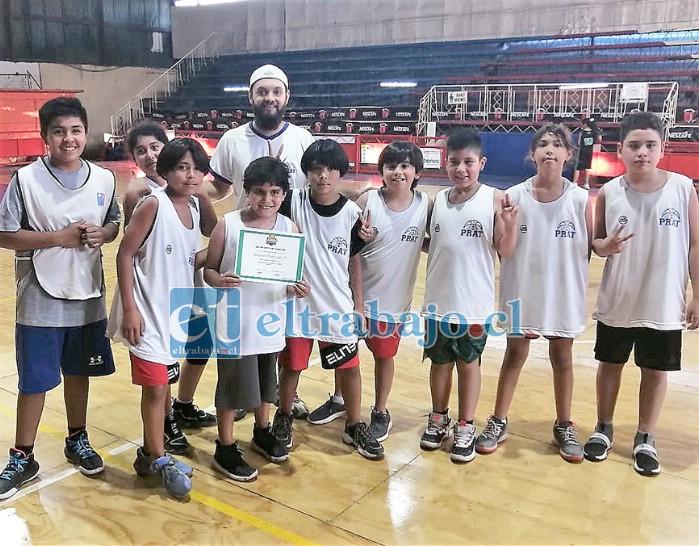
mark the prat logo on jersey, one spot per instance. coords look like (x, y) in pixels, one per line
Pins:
(410, 235)
(523, 228)
(472, 228)
(192, 257)
(436, 228)
(338, 245)
(670, 217)
(290, 166)
(168, 249)
(623, 220)
(565, 230)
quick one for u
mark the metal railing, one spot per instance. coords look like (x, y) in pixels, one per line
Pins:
(164, 85)
(19, 80)
(529, 105)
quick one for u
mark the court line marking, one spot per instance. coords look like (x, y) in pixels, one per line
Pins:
(249, 519)
(205, 500)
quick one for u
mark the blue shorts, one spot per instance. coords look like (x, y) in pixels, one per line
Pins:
(44, 352)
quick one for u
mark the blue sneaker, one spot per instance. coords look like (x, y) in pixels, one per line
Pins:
(176, 483)
(143, 465)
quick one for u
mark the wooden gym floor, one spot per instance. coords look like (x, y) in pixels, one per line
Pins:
(326, 494)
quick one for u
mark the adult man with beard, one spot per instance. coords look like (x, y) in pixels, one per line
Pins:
(267, 135)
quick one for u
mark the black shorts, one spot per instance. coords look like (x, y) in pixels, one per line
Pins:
(653, 349)
(584, 161)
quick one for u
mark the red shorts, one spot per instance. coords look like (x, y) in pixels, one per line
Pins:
(152, 374)
(383, 338)
(297, 353)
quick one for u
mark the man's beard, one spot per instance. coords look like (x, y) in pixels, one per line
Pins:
(268, 121)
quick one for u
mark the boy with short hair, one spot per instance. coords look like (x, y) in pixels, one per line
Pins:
(157, 254)
(145, 141)
(470, 224)
(56, 214)
(647, 226)
(334, 229)
(249, 379)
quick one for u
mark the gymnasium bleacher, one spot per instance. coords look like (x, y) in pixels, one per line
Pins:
(344, 78)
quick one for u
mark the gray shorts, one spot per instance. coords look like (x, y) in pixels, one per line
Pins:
(243, 383)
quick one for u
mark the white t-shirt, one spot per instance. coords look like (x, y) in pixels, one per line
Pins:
(165, 260)
(547, 275)
(326, 269)
(460, 283)
(240, 146)
(644, 285)
(389, 262)
(256, 299)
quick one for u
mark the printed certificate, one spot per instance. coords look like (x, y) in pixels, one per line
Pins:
(270, 256)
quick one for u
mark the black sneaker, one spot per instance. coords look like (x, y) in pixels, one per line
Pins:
(175, 440)
(264, 442)
(380, 424)
(239, 414)
(597, 446)
(463, 449)
(299, 408)
(326, 412)
(282, 428)
(438, 428)
(367, 446)
(190, 416)
(645, 457)
(79, 452)
(20, 469)
(229, 461)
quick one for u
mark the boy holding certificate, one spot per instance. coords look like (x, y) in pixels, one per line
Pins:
(249, 380)
(334, 231)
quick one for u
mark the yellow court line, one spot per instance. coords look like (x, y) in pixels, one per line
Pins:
(46, 429)
(251, 520)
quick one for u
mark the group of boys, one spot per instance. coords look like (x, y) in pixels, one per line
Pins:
(59, 211)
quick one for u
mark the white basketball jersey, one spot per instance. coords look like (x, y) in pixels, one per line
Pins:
(460, 283)
(543, 286)
(153, 185)
(644, 285)
(256, 299)
(240, 146)
(66, 273)
(389, 262)
(164, 261)
(326, 269)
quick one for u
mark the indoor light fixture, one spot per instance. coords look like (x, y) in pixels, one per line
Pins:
(398, 84)
(597, 85)
(235, 88)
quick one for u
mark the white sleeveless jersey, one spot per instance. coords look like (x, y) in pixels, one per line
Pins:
(460, 283)
(153, 185)
(546, 279)
(240, 146)
(66, 273)
(389, 262)
(644, 285)
(164, 261)
(326, 269)
(256, 299)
